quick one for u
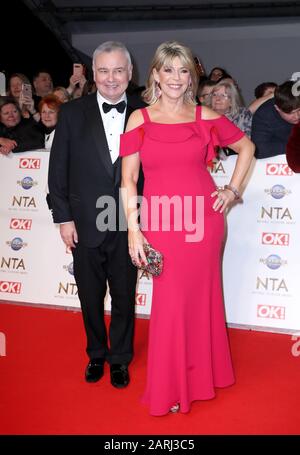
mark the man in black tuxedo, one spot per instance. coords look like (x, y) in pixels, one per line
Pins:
(84, 165)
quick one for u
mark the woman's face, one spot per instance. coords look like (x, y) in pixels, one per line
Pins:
(205, 96)
(9, 115)
(174, 78)
(220, 100)
(60, 95)
(48, 116)
(16, 86)
(216, 74)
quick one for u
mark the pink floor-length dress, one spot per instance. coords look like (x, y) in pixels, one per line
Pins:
(188, 352)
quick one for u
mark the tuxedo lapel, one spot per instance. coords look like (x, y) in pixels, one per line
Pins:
(129, 111)
(118, 163)
(95, 121)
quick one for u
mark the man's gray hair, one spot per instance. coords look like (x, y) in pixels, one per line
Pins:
(110, 46)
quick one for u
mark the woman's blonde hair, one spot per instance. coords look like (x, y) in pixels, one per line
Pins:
(164, 55)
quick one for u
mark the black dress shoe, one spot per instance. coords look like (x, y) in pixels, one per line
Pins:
(119, 376)
(94, 370)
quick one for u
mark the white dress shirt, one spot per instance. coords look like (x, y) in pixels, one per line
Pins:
(113, 122)
(49, 139)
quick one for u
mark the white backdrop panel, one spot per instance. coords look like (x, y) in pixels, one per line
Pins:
(261, 255)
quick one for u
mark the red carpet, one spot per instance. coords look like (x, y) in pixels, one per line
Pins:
(43, 390)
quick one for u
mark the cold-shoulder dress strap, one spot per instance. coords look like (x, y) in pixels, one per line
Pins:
(132, 141)
(198, 113)
(145, 115)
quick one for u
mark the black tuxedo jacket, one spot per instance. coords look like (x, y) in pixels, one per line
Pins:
(80, 167)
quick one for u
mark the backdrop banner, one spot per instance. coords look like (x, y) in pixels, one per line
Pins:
(261, 254)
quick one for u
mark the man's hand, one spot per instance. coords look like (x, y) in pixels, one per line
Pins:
(69, 234)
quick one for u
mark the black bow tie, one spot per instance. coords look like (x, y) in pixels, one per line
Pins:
(120, 107)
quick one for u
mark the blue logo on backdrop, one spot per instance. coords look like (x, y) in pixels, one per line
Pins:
(71, 269)
(27, 183)
(16, 244)
(278, 191)
(273, 261)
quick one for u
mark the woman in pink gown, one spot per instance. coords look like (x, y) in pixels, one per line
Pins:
(188, 353)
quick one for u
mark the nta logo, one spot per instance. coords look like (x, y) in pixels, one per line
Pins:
(67, 288)
(271, 284)
(218, 168)
(23, 201)
(12, 263)
(275, 213)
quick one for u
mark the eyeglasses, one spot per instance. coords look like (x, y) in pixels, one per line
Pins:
(223, 96)
(204, 95)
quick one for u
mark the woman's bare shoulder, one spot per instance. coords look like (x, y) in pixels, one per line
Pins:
(208, 114)
(136, 119)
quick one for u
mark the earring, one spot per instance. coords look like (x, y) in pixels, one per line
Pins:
(189, 92)
(157, 90)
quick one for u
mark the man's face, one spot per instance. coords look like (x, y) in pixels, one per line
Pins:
(292, 117)
(112, 74)
(43, 84)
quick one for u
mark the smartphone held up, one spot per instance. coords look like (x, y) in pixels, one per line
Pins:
(26, 91)
(78, 70)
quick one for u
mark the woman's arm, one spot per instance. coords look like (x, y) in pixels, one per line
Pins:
(245, 150)
(258, 102)
(130, 175)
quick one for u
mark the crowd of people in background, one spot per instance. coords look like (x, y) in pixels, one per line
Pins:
(29, 111)
(28, 116)
(184, 314)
